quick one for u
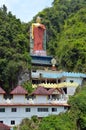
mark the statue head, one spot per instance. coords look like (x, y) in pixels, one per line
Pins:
(38, 19)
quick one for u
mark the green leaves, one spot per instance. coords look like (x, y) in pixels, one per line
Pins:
(72, 43)
(60, 122)
(78, 108)
(29, 124)
(14, 54)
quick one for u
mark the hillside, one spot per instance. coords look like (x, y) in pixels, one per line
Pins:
(14, 56)
(72, 42)
(66, 41)
(66, 30)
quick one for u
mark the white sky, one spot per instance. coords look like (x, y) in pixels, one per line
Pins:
(26, 9)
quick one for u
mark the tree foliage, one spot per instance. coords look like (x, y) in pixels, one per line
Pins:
(72, 43)
(29, 124)
(14, 46)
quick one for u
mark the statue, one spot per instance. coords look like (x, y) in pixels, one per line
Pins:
(38, 37)
(53, 62)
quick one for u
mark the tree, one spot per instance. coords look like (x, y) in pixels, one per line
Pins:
(14, 49)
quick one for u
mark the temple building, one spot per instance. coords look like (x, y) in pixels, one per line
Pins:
(41, 102)
(44, 68)
(52, 87)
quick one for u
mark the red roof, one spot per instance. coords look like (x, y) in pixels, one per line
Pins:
(51, 90)
(19, 90)
(43, 91)
(2, 91)
(4, 127)
(40, 91)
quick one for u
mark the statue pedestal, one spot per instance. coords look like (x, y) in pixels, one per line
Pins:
(41, 60)
(53, 68)
(39, 53)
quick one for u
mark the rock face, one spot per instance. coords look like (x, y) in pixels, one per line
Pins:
(23, 77)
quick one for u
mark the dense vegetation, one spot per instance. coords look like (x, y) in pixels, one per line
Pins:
(14, 56)
(74, 119)
(73, 38)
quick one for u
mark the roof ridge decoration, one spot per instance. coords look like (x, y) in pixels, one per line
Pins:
(59, 85)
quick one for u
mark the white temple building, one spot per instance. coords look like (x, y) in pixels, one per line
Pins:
(42, 102)
(49, 97)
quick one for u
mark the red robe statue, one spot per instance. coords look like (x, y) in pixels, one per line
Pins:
(38, 32)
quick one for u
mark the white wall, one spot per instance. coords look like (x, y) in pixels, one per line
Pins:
(2, 98)
(71, 90)
(41, 99)
(77, 80)
(19, 98)
(7, 116)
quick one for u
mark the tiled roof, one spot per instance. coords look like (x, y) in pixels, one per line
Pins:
(19, 90)
(40, 91)
(43, 91)
(2, 91)
(63, 74)
(51, 90)
(4, 127)
(56, 74)
(73, 74)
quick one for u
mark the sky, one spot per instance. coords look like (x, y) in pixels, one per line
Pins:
(25, 10)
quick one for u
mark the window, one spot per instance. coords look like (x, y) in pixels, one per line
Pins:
(13, 109)
(13, 122)
(65, 107)
(34, 70)
(42, 109)
(2, 109)
(27, 109)
(64, 80)
(71, 81)
(59, 80)
(54, 109)
(65, 90)
(1, 121)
